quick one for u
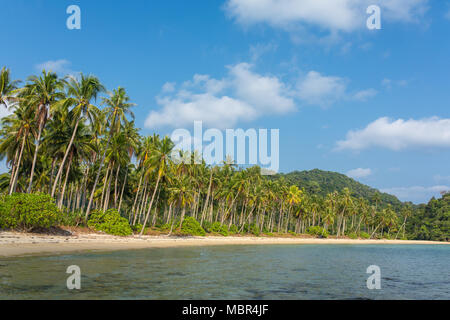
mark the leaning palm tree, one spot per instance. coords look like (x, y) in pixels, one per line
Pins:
(41, 93)
(117, 109)
(80, 93)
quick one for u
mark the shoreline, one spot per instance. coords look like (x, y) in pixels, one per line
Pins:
(14, 244)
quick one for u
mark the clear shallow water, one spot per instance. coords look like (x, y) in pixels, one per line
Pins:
(235, 272)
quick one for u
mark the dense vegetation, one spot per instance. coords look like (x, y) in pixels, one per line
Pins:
(321, 183)
(99, 172)
(431, 221)
(28, 211)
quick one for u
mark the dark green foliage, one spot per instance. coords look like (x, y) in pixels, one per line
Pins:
(138, 228)
(321, 183)
(431, 221)
(364, 235)
(110, 222)
(219, 228)
(191, 227)
(352, 235)
(317, 231)
(28, 211)
(233, 229)
(73, 218)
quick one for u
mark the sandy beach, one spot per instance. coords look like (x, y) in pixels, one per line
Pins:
(22, 244)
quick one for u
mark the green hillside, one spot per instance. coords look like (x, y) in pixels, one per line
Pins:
(321, 183)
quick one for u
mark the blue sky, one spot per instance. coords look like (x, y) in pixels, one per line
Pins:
(373, 104)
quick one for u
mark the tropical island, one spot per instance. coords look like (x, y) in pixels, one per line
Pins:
(78, 164)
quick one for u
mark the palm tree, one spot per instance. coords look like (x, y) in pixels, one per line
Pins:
(41, 93)
(117, 108)
(158, 162)
(15, 132)
(79, 95)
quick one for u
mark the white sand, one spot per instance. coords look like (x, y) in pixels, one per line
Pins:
(20, 244)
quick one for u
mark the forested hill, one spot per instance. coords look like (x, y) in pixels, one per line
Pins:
(324, 182)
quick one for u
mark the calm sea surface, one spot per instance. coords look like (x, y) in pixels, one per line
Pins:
(235, 272)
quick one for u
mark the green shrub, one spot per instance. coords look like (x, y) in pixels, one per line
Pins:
(73, 219)
(207, 226)
(138, 228)
(233, 229)
(28, 211)
(317, 231)
(110, 222)
(292, 233)
(254, 230)
(352, 235)
(364, 235)
(191, 227)
(216, 227)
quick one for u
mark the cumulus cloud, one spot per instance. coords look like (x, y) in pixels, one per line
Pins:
(400, 134)
(417, 194)
(242, 96)
(321, 90)
(359, 173)
(335, 15)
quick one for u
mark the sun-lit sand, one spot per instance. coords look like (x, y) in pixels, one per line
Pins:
(20, 244)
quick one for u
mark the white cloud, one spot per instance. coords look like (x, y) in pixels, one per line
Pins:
(168, 87)
(4, 111)
(400, 134)
(61, 66)
(317, 89)
(359, 173)
(332, 15)
(417, 194)
(321, 90)
(242, 96)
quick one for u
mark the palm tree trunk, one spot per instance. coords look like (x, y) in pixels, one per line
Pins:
(115, 186)
(65, 182)
(38, 142)
(58, 175)
(123, 189)
(16, 173)
(13, 171)
(151, 203)
(91, 198)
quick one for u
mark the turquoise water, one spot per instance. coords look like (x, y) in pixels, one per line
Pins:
(235, 272)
